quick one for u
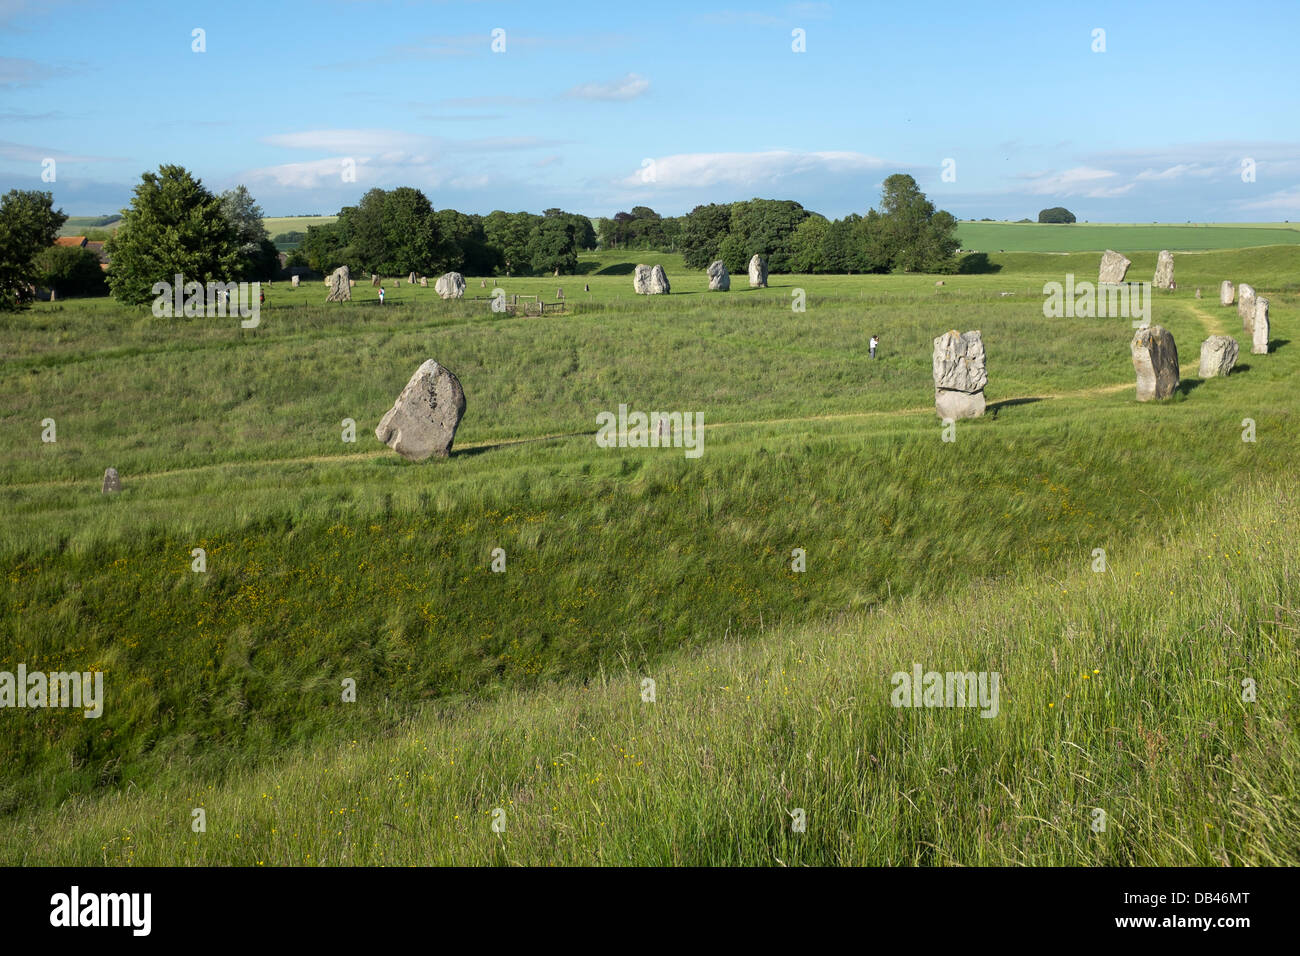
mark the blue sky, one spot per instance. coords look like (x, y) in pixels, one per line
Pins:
(596, 107)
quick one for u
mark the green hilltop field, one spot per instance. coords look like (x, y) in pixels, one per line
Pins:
(521, 696)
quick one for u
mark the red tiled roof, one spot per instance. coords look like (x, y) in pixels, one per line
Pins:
(70, 241)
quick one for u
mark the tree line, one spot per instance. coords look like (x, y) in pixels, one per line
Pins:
(176, 225)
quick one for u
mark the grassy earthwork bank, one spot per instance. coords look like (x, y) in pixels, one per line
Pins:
(521, 691)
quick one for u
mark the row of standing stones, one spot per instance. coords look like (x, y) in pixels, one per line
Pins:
(422, 422)
(960, 371)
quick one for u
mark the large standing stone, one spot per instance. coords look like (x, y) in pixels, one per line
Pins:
(757, 272)
(424, 282)
(294, 281)
(340, 286)
(1113, 268)
(1246, 307)
(375, 282)
(719, 278)
(112, 482)
(1155, 360)
(650, 280)
(959, 375)
(450, 286)
(423, 420)
(1218, 355)
(1259, 330)
(1164, 270)
(1225, 292)
(410, 280)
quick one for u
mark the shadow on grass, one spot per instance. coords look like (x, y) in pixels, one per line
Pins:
(977, 263)
(618, 269)
(1008, 403)
(507, 443)
(1275, 344)
(1187, 384)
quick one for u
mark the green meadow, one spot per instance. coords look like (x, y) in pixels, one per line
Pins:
(1124, 237)
(520, 697)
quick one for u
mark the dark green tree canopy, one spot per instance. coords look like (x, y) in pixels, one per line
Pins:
(173, 226)
(28, 226)
(1056, 214)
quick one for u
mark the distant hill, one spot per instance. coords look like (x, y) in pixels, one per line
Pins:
(1124, 237)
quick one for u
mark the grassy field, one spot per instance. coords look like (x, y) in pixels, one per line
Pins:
(521, 691)
(1124, 237)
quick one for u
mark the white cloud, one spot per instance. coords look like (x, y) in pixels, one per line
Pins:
(1078, 181)
(627, 88)
(766, 167)
(349, 141)
(1281, 201)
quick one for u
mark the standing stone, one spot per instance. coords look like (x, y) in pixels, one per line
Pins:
(423, 420)
(1218, 355)
(374, 282)
(719, 278)
(112, 483)
(1113, 268)
(340, 286)
(410, 280)
(451, 285)
(559, 293)
(352, 283)
(1164, 270)
(757, 272)
(1225, 293)
(1155, 360)
(482, 283)
(1246, 307)
(1259, 331)
(939, 283)
(294, 281)
(959, 375)
(1198, 292)
(424, 282)
(586, 287)
(650, 280)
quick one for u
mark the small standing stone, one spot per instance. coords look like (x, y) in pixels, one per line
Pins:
(559, 293)
(1198, 292)
(294, 281)
(1114, 267)
(410, 280)
(757, 272)
(424, 282)
(586, 287)
(1218, 355)
(1155, 360)
(1259, 330)
(1225, 293)
(1246, 307)
(112, 483)
(1164, 270)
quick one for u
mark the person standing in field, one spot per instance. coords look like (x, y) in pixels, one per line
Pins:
(874, 344)
(381, 295)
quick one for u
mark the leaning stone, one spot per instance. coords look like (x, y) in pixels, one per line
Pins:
(1164, 270)
(559, 293)
(719, 278)
(340, 286)
(1218, 355)
(1246, 307)
(112, 482)
(450, 286)
(1225, 293)
(423, 420)
(1113, 268)
(757, 272)
(410, 280)
(1259, 330)
(1155, 360)
(650, 280)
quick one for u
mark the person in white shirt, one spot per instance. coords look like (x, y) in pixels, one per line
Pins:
(874, 344)
(381, 295)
